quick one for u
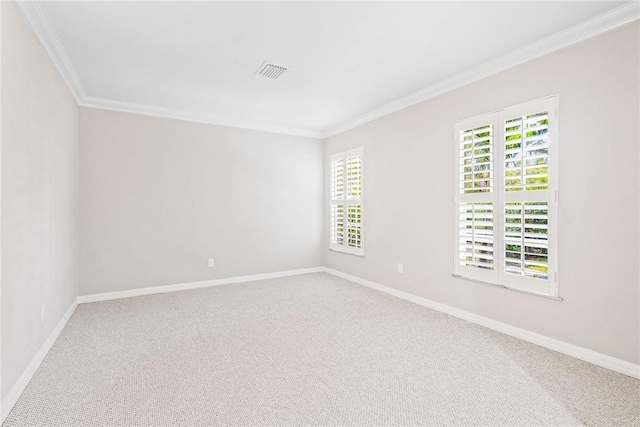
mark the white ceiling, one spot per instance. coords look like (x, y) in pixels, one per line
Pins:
(345, 59)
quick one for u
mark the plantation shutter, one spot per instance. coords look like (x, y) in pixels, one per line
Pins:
(528, 199)
(505, 197)
(346, 221)
(475, 199)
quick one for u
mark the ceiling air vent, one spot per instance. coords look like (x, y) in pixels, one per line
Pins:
(270, 70)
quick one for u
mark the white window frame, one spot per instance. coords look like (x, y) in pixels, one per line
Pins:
(497, 276)
(345, 200)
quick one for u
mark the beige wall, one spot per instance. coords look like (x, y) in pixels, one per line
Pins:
(39, 195)
(409, 210)
(160, 196)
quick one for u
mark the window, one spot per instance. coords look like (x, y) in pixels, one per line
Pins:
(506, 197)
(346, 201)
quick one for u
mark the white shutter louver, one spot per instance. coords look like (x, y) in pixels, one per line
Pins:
(337, 224)
(337, 179)
(476, 235)
(474, 199)
(476, 160)
(528, 203)
(354, 177)
(346, 202)
(354, 226)
(526, 153)
(526, 239)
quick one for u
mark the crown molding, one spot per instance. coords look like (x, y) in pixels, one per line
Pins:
(148, 110)
(41, 25)
(597, 25)
(36, 16)
(39, 21)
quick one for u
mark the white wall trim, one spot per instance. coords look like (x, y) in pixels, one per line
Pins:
(41, 25)
(148, 110)
(193, 285)
(20, 385)
(600, 24)
(599, 359)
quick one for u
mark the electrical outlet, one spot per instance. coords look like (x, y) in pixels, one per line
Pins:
(400, 269)
(211, 263)
(42, 311)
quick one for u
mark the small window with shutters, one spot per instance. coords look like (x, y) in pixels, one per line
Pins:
(505, 197)
(346, 220)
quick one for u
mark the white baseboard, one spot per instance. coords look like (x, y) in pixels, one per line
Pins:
(193, 285)
(17, 389)
(609, 362)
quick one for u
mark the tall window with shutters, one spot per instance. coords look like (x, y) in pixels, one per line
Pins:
(505, 197)
(346, 206)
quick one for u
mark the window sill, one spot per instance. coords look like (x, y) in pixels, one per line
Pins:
(551, 297)
(347, 252)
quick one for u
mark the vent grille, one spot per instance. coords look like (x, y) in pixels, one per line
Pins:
(271, 71)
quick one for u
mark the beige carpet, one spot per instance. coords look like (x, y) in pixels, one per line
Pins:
(306, 350)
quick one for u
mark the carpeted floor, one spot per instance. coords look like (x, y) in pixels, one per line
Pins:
(306, 350)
